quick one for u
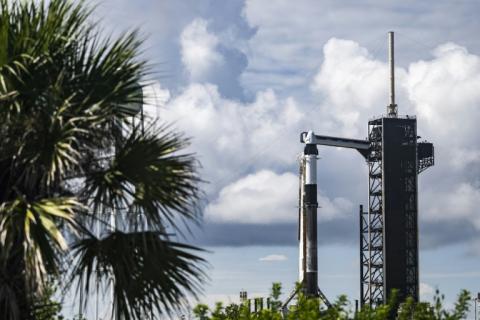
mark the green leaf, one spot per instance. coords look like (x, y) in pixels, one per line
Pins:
(147, 271)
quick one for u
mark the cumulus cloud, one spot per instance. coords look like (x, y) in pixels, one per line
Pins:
(353, 85)
(155, 97)
(446, 88)
(230, 137)
(274, 257)
(444, 91)
(199, 49)
(262, 197)
(242, 143)
(213, 58)
(267, 197)
(426, 290)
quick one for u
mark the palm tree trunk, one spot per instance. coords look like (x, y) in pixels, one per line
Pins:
(15, 302)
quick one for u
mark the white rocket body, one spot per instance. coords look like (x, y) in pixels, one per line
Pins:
(301, 224)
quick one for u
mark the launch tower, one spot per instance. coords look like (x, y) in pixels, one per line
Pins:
(389, 227)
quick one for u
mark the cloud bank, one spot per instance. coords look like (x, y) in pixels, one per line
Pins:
(244, 78)
(249, 149)
(274, 257)
(266, 197)
(199, 49)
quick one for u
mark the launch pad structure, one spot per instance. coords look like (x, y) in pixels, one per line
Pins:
(389, 226)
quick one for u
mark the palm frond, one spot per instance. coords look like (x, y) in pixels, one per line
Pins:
(148, 175)
(148, 272)
(37, 227)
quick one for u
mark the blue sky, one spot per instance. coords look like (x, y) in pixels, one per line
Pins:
(244, 78)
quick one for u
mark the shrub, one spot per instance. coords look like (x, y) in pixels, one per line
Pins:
(308, 309)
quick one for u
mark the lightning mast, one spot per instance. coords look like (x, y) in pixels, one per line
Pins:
(392, 110)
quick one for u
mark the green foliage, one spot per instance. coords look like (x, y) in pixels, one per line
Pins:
(308, 309)
(201, 312)
(46, 307)
(144, 257)
(275, 294)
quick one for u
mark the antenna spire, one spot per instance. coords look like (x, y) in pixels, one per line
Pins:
(392, 108)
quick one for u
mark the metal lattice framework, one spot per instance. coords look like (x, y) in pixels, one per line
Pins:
(425, 157)
(371, 224)
(410, 175)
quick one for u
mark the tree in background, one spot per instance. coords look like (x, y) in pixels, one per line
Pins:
(311, 309)
(46, 306)
(71, 156)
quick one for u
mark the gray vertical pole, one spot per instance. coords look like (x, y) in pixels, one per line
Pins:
(311, 279)
(392, 108)
(97, 280)
(369, 266)
(391, 63)
(80, 306)
(113, 226)
(476, 308)
(361, 256)
(142, 120)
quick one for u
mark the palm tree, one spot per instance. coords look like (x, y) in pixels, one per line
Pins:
(72, 154)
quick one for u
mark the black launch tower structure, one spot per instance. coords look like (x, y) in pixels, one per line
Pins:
(389, 228)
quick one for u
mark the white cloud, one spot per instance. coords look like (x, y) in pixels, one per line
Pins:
(236, 140)
(199, 50)
(445, 94)
(266, 197)
(263, 197)
(155, 97)
(426, 291)
(445, 89)
(231, 137)
(354, 86)
(274, 257)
